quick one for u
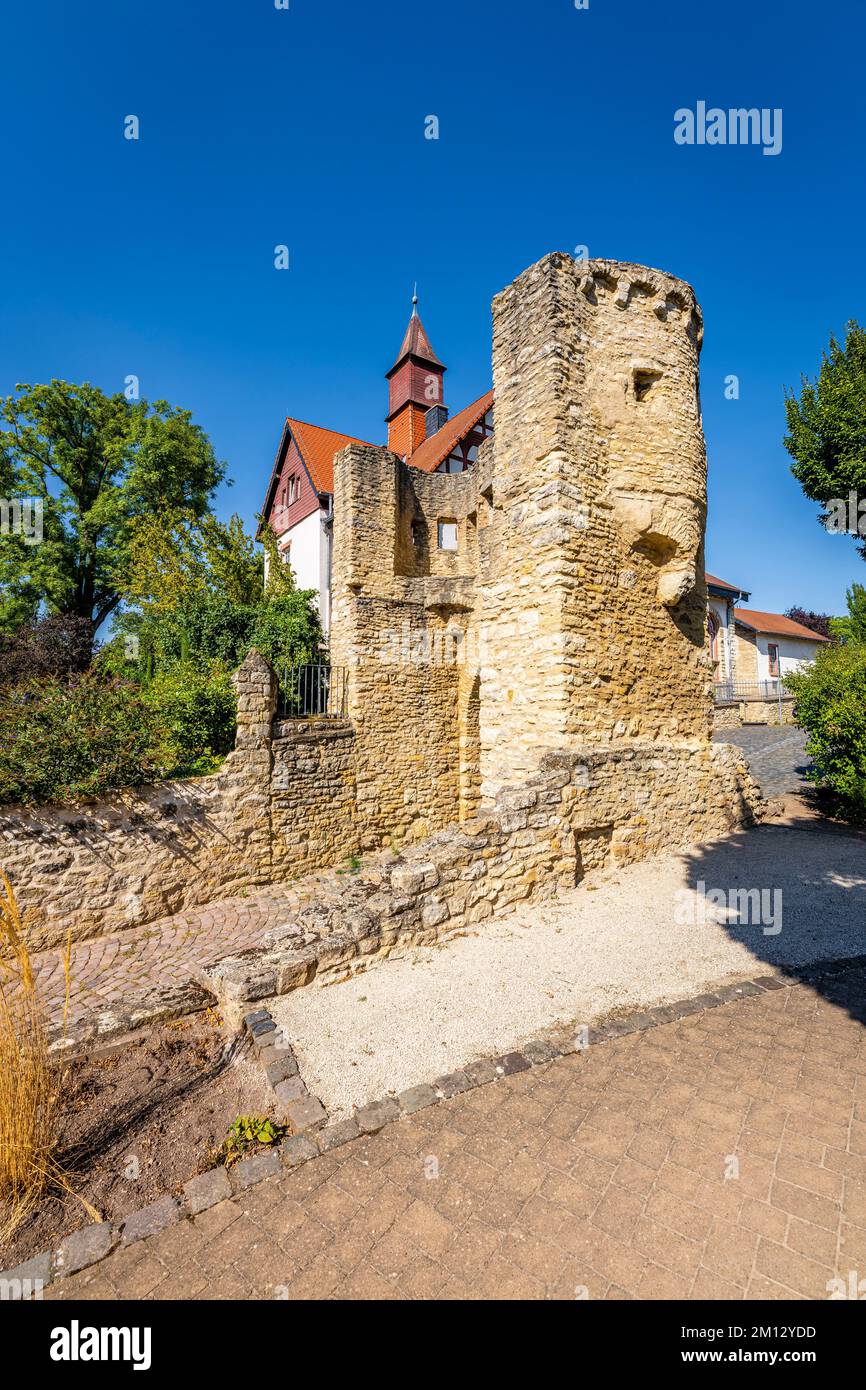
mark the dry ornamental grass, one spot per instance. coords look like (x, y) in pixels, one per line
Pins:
(28, 1082)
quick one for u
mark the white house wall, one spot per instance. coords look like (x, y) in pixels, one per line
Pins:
(792, 653)
(308, 557)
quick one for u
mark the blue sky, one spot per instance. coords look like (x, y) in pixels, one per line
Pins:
(305, 127)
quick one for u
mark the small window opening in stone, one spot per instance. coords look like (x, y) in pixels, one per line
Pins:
(447, 535)
(416, 532)
(644, 383)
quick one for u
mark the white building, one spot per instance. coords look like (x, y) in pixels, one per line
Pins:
(750, 646)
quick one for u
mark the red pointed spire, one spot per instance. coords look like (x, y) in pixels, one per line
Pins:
(415, 382)
(415, 341)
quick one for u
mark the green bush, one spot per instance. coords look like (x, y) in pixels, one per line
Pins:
(207, 628)
(830, 705)
(61, 741)
(287, 631)
(196, 708)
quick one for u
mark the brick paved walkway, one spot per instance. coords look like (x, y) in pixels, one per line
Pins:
(604, 1171)
(105, 969)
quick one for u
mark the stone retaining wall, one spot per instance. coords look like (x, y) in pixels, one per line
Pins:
(736, 713)
(276, 809)
(314, 819)
(586, 809)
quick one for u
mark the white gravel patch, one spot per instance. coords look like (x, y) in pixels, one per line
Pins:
(624, 941)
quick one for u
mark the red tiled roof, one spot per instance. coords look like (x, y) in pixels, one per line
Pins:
(318, 447)
(723, 584)
(436, 449)
(776, 624)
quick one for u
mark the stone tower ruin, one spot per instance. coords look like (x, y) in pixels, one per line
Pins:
(569, 622)
(594, 597)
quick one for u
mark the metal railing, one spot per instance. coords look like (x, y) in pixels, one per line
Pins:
(312, 692)
(726, 691)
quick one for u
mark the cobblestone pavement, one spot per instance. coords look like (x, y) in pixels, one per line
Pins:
(720, 1156)
(105, 969)
(777, 756)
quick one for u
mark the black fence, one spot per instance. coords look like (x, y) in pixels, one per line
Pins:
(311, 692)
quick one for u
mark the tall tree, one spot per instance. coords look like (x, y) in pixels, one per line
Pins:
(827, 424)
(816, 622)
(852, 628)
(98, 465)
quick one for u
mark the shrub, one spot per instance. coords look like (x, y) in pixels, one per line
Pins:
(63, 741)
(207, 628)
(831, 706)
(196, 709)
(287, 631)
(58, 645)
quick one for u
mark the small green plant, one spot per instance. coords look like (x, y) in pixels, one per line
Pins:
(246, 1132)
(353, 865)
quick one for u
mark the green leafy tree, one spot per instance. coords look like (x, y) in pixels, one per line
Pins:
(177, 555)
(99, 465)
(281, 578)
(237, 571)
(197, 594)
(852, 628)
(830, 702)
(827, 424)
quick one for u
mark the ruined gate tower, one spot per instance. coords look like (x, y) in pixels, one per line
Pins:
(594, 598)
(574, 608)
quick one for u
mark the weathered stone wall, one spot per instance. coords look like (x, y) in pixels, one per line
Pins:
(401, 619)
(726, 716)
(313, 802)
(583, 810)
(594, 599)
(734, 714)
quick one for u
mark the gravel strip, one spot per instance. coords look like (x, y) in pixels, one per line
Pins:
(603, 947)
